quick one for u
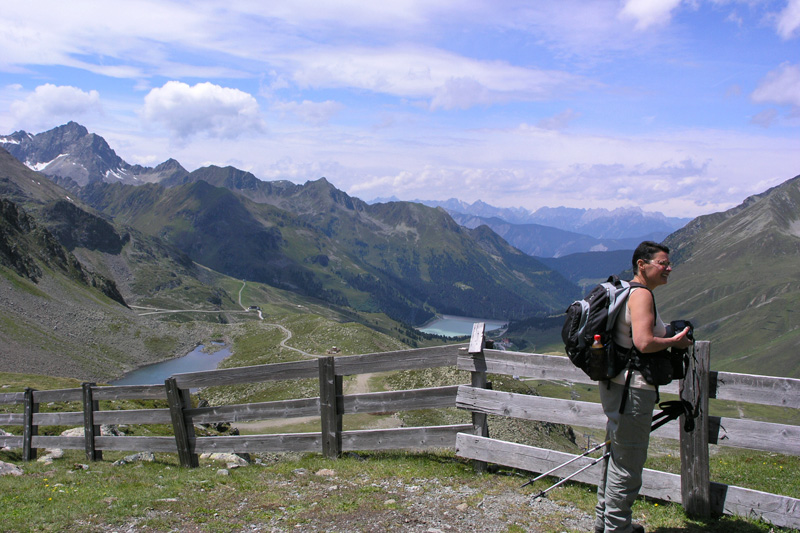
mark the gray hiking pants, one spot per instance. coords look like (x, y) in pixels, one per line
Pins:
(621, 477)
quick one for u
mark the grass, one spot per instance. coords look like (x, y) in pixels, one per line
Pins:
(358, 492)
(285, 493)
(23, 284)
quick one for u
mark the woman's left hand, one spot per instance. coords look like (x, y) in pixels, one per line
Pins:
(681, 340)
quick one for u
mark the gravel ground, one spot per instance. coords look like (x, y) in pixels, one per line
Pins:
(427, 505)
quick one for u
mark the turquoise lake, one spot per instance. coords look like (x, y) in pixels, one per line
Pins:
(155, 374)
(457, 326)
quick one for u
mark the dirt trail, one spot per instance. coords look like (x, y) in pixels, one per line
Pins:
(359, 385)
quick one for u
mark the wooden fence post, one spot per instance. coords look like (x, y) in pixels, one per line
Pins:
(178, 400)
(29, 430)
(330, 408)
(695, 475)
(90, 430)
(480, 425)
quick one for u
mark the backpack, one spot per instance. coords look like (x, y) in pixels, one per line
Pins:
(595, 315)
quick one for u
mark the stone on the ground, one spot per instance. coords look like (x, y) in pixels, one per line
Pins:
(9, 469)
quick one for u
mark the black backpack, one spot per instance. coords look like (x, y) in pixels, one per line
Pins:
(596, 315)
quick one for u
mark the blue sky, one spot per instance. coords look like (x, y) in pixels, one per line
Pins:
(680, 106)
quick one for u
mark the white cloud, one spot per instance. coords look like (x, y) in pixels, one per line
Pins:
(649, 13)
(288, 169)
(780, 86)
(447, 80)
(765, 118)
(460, 93)
(49, 105)
(315, 113)
(204, 108)
(789, 20)
(559, 121)
(680, 173)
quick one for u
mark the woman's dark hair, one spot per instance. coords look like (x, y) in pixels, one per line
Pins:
(646, 250)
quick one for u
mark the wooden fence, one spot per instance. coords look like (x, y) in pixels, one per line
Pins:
(331, 405)
(692, 488)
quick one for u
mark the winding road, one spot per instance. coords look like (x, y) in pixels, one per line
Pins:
(353, 386)
(285, 330)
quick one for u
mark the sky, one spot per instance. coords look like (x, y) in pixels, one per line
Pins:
(685, 107)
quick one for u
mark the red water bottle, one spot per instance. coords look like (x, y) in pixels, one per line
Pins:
(598, 364)
(597, 344)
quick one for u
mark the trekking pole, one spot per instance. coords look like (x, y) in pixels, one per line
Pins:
(670, 411)
(572, 475)
(584, 454)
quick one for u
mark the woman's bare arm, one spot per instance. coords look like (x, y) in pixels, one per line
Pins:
(642, 320)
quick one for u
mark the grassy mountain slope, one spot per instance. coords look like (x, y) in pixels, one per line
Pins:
(67, 273)
(144, 268)
(23, 186)
(737, 279)
(59, 318)
(404, 259)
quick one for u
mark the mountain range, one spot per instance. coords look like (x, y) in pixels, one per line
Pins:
(169, 237)
(600, 223)
(547, 241)
(405, 260)
(73, 157)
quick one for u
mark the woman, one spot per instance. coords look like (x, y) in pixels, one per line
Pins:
(639, 326)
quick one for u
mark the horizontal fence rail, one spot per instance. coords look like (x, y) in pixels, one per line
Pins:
(182, 416)
(470, 441)
(699, 495)
(731, 432)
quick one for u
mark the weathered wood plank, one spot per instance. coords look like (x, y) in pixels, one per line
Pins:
(247, 374)
(764, 390)
(12, 419)
(397, 360)
(478, 379)
(781, 511)
(526, 407)
(476, 340)
(139, 444)
(90, 428)
(404, 400)
(255, 411)
(58, 395)
(286, 442)
(330, 408)
(532, 366)
(130, 392)
(67, 418)
(12, 397)
(754, 435)
(655, 484)
(10, 441)
(403, 438)
(133, 416)
(528, 365)
(29, 429)
(695, 480)
(726, 432)
(57, 441)
(179, 401)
